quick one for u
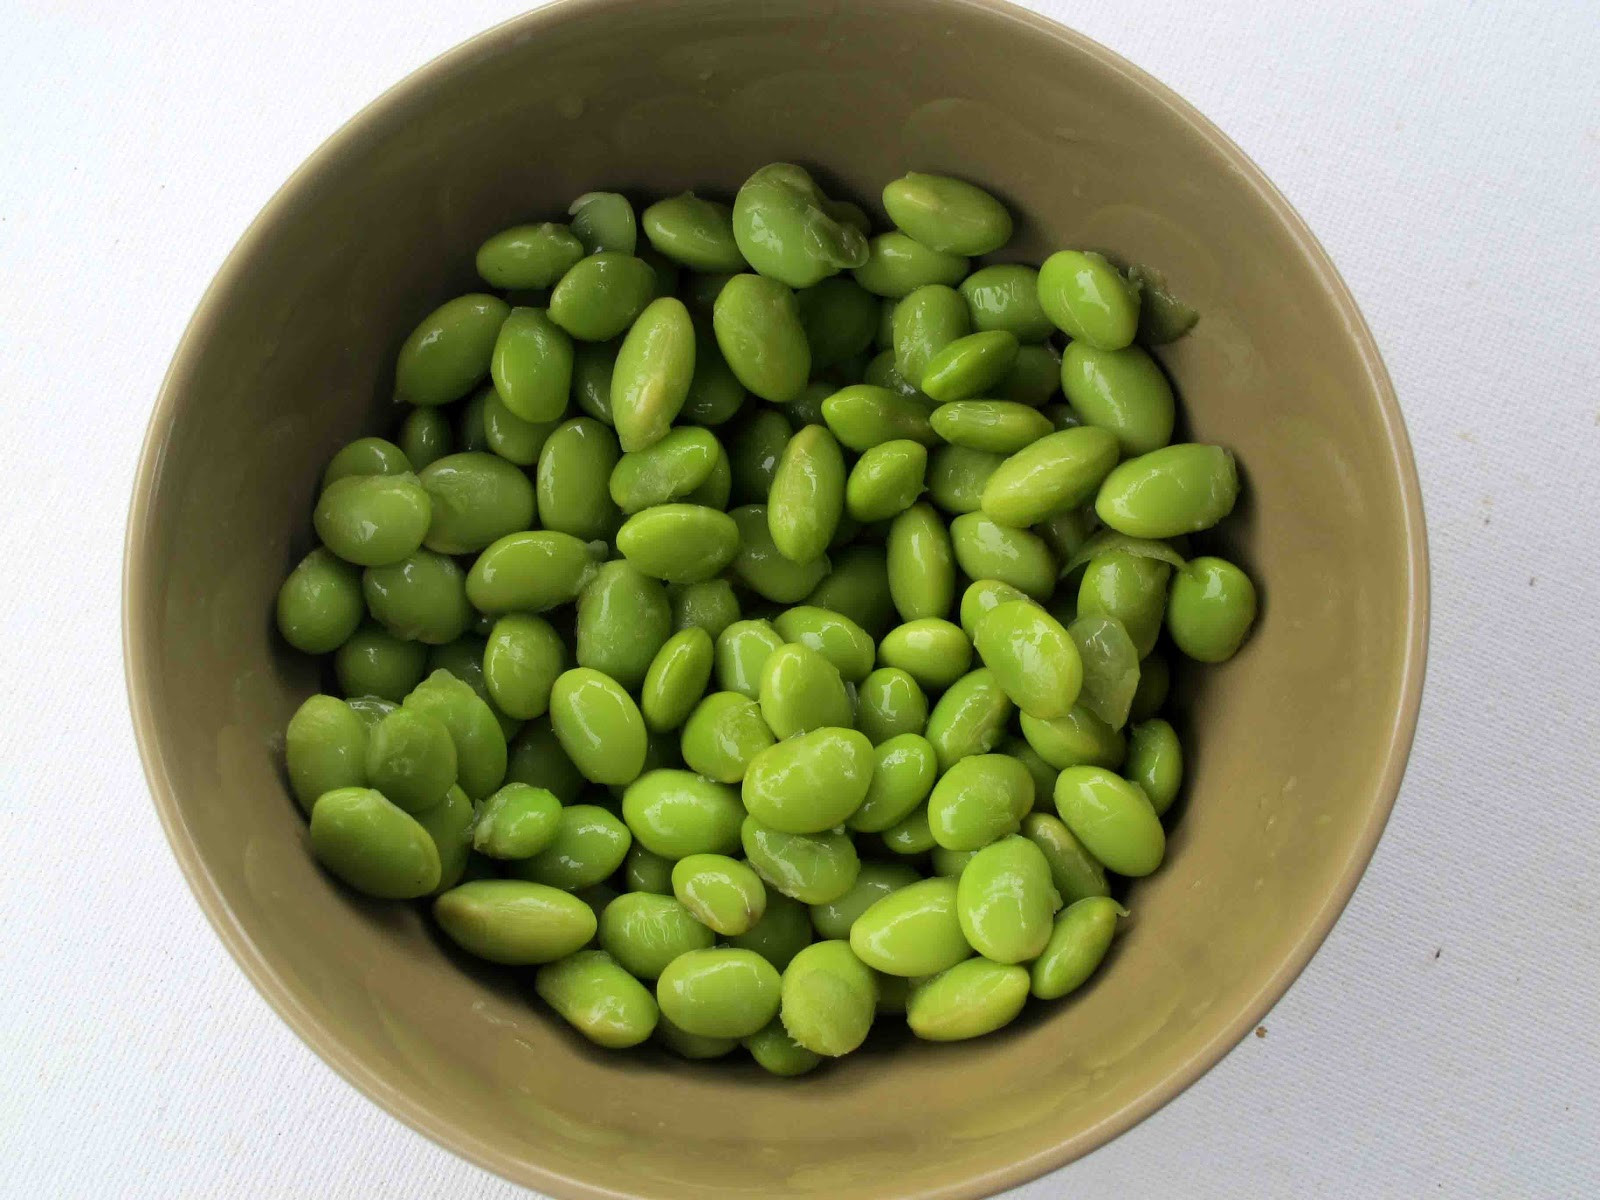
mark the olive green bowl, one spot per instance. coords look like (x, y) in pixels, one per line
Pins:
(1296, 746)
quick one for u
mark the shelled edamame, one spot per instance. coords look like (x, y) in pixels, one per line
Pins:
(758, 627)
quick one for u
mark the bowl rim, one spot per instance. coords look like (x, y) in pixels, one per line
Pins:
(456, 1136)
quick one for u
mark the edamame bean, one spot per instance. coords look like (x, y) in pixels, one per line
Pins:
(463, 658)
(480, 744)
(925, 322)
(588, 847)
(807, 495)
(509, 436)
(950, 863)
(1210, 609)
(366, 456)
(475, 499)
(875, 881)
(948, 215)
(470, 433)
(800, 691)
(987, 550)
(1163, 317)
(779, 1054)
(518, 821)
(601, 295)
(920, 564)
(957, 476)
(812, 868)
(709, 604)
(781, 933)
(722, 992)
(864, 415)
(623, 619)
(1006, 902)
(996, 426)
(449, 824)
(722, 735)
(1078, 943)
(676, 679)
(599, 999)
(593, 364)
(514, 922)
(980, 799)
(1078, 739)
(1006, 296)
(969, 718)
(1034, 661)
(449, 350)
(695, 232)
(981, 598)
(905, 770)
(411, 759)
(678, 813)
(1122, 391)
(536, 758)
(325, 747)
(1155, 762)
(646, 871)
(526, 572)
(1088, 299)
(421, 598)
(741, 655)
(528, 256)
(784, 228)
(1110, 667)
(898, 265)
(754, 454)
(969, 1000)
(722, 893)
(1130, 588)
(834, 636)
(373, 662)
(1155, 678)
(828, 999)
(765, 569)
(604, 221)
(319, 604)
(532, 365)
(911, 835)
(1059, 472)
(672, 467)
(840, 318)
(858, 587)
(886, 480)
(931, 650)
(573, 478)
(521, 660)
(969, 366)
(598, 725)
(424, 437)
(680, 543)
(810, 783)
(373, 520)
(757, 323)
(1034, 377)
(1073, 870)
(890, 703)
(913, 931)
(651, 378)
(372, 845)
(645, 932)
(1178, 489)
(1112, 818)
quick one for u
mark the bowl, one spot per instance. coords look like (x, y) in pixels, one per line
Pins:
(1296, 747)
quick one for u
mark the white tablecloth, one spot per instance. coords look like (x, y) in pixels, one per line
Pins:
(1444, 1042)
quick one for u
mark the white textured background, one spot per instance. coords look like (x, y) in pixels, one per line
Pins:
(1444, 1042)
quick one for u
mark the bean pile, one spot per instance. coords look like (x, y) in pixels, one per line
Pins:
(812, 673)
